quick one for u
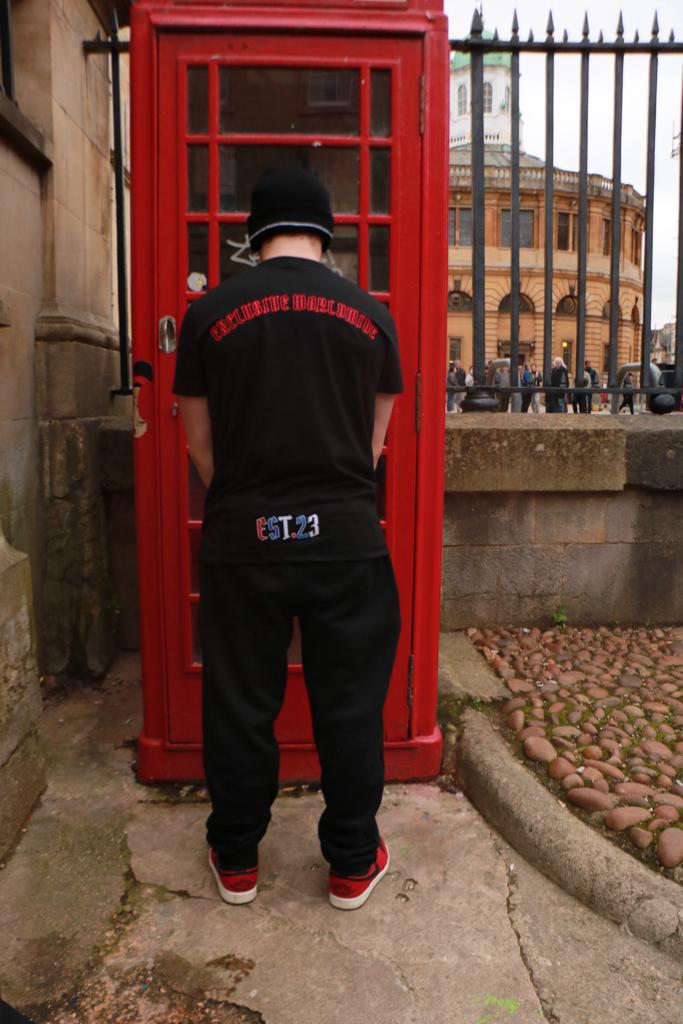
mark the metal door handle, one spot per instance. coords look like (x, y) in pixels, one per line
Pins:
(167, 335)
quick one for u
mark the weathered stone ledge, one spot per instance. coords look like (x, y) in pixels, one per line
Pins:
(497, 452)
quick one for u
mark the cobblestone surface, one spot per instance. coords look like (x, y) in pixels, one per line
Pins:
(598, 713)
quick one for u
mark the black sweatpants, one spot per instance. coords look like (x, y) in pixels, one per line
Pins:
(350, 623)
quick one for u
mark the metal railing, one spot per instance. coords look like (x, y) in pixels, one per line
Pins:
(476, 45)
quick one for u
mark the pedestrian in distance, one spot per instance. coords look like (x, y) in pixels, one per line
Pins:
(287, 374)
(451, 382)
(461, 381)
(528, 382)
(592, 382)
(537, 380)
(502, 380)
(627, 396)
(559, 378)
(578, 395)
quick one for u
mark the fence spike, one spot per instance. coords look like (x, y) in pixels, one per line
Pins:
(551, 27)
(636, 38)
(655, 27)
(495, 35)
(531, 36)
(585, 30)
(565, 37)
(620, 26)
(477, 26)
(672, 38)
(515, 23)
(600, 37)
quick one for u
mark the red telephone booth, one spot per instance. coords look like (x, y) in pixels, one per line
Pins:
(358, 92)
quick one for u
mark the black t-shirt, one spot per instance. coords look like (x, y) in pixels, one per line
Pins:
(290, 356)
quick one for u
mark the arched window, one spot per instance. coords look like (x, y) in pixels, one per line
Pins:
(462, 100)
(635, 314)
(525, 303)
(606, 311)
(507, 97)
(459, 302)
(566, 306)
(488, 97)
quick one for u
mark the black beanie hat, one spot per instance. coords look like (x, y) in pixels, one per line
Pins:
(289, 200)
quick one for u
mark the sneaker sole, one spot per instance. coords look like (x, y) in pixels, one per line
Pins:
(234, 898)
(354, 902)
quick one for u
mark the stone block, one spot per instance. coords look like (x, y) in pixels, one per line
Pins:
(492, 452)
(464, 672)
(622, 516)
(69, 72)
(98, 204)
(20, 261)
(69, 256)
(645, 516)
(31, 42)
(123, 569)
(73, 379)
(97, 121)
(489, 610)
(21, 766)
(116, 455)
(625, 583)
(577, 518)
(98, 271)
(519, 570)
(654, 452)
(486, 518)
(18, 483)
(77, 605)
(22, 780)
(17, 357)
(596, 582)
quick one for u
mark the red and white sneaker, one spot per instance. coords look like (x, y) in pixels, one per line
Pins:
(234, 886)
(348, 892)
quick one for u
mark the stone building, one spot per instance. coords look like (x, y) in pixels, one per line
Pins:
(58, 366)
(497, 172)
(664, 343)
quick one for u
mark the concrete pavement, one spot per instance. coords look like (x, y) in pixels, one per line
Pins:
(109, 913)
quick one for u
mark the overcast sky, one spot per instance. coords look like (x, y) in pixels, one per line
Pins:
(602, 14)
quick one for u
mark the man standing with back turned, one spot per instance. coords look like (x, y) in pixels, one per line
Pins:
(287, 375)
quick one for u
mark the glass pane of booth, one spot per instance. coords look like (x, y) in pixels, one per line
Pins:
(380, 180)
(197, 179)
(379, 259)
(197, 100)
(342, 255)
(380, 104)
(197, 257)
(240, 166)
(286, 101)
(235, 254)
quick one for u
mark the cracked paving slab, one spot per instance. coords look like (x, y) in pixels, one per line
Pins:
(584, 967)
(67, 876)
(432, 946)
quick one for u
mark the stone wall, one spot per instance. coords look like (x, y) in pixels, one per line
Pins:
(580, 516)
(63, 253)
(22, 772)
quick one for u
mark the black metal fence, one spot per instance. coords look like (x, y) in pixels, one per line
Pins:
(476, 45)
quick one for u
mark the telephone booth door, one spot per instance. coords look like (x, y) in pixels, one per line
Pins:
(229, 106)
